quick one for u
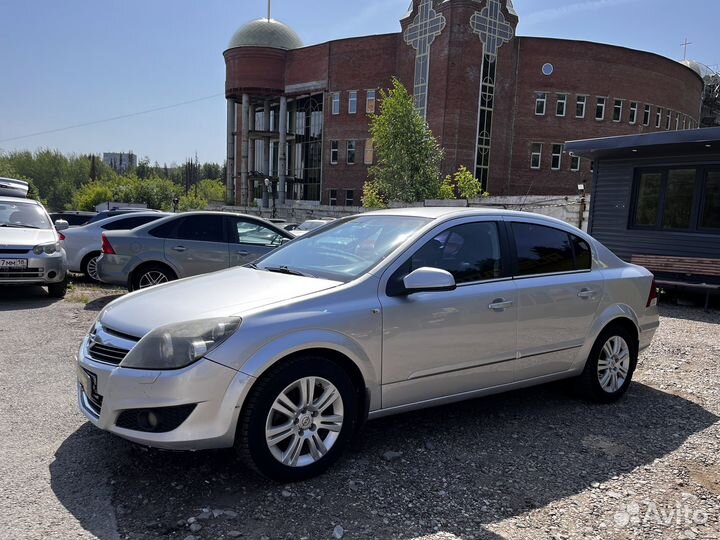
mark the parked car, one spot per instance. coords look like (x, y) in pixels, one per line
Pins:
(118, 212)
(309, 225)
(30, 249)
(184, 245)
(9, 187)
(375, 314)
(74, 218)
(83, 245)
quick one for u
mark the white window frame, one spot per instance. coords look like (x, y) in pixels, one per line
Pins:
(352, 202)
(534, 154)
(335, 103)
(371, 97)
(540, 97)
(562, 99)
(352, 142)
(677, 121)
(634, 105)
(658, 117)
(557, 155)
(575, 163)
(352, 101)
(684, 121)
(600, 102)
(618, 103)
(332, 200)
(647, 113)
(668, 120)
(334, 152)
(578, 102)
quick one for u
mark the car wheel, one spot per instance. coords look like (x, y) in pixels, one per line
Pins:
(610, 366)
(58, 290)
(298, 419)
(149, 276)
(89, 265)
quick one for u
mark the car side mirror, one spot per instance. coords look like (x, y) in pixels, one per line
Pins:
(61, 225)
(427, 279)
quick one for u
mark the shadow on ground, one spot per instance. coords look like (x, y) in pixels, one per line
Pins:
(99, 303)
(24, 297)
(463, 466)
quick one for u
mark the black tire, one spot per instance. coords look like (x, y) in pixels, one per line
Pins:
(58, 290)
(250, 441)
(589, 385)
(86, 262)
(139, 276)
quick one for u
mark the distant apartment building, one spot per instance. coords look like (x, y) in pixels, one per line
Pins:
(120, 162)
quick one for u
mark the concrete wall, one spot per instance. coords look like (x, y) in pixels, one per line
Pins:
(570, 209)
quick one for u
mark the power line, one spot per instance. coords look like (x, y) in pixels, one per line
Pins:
(114, 118)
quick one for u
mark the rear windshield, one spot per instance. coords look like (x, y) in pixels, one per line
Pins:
(23, 215)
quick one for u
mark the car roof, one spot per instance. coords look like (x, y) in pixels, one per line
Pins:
(19, 200)
(169, 217)
(118, 217)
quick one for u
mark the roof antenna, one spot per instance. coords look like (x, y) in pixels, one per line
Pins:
(269, 3)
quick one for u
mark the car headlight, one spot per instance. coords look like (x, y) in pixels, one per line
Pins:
(178, 345)
(47, 249)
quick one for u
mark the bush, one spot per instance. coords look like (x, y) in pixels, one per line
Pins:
(371, 197)
(192, 202)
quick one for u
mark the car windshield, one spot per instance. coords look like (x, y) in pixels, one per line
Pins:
(23, 215)
(310, 225)
(344, 250)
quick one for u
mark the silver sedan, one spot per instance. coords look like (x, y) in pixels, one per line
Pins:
(371, 315)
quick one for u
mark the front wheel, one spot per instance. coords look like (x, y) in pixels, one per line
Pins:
(58, 290)
(610, 366)
(298, 419)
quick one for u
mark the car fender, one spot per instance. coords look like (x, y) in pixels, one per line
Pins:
(272, 352)
(603, 319)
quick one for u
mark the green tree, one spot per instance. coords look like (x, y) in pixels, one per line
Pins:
(447, 189)
(192, 202)
(462, 182)
(371, 197)
(408, 155)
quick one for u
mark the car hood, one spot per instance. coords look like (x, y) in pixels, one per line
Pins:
(12, 237)
(220, 294)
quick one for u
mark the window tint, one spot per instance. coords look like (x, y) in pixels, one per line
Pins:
(166, 230)
(129, 223)
(249, 232)
(679, 198)
(648, 199)
(470, 252)
(583, 255)
(542, 250)
(201, 228)
(711, 208)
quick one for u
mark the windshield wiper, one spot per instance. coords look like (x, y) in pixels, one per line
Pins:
(18, 226)
(286, 270)
(252, 265)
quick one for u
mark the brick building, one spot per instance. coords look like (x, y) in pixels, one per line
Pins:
(500, 104)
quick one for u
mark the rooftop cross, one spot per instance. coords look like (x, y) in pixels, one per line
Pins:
(491, 26)
(685, 48)
(427, 25)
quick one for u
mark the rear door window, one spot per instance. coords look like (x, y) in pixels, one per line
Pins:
(204, 228)
(542, 250)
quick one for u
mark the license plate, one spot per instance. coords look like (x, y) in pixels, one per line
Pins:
(13, 263)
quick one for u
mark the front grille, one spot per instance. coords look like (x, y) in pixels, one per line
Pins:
(14, 251)
(21, 273)
(107, 353)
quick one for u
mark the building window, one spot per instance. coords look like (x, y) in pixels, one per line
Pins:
(668, 120)
(557, 150)
(575, 163)
(633, 112)
(335, 103)
(540, 102)
(561, 105)
(536, 155)
(580, 104)
(600, 109)
(677, 121)
(370, 102)
(350, 197)
(646, 115)
(618, 110)
(333, 197)
(684, 122)
(351, 152)
(658, 117)
(352, 102)
(710, 216)
(334, 152)
(368, 152)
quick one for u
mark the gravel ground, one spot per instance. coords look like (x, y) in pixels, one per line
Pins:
(535, 465)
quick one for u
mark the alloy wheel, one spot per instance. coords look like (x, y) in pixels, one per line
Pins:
(91, 268)
(614, 364)
(150, 278)
(304, 422)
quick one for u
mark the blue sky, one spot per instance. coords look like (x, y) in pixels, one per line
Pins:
(71, 62)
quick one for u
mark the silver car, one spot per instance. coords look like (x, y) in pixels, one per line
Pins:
(184, 245)
(83, 244)
(372, 315)
(30, 248)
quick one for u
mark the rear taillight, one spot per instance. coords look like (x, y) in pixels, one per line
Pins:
(61, 236)
(652, 297)
(107, 248)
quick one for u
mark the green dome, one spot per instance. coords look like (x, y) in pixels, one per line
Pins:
(266, 33)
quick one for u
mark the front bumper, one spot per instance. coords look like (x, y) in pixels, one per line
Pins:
(216, 391)
(40, 270)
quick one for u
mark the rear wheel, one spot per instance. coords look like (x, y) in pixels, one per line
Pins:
(298, 419)
(89, 265)
(149, 276)
(610, 366)
(58, 290)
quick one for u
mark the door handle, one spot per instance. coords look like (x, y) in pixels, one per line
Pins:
(586, 293)
(243, 253)
(180, 248)
(500, 304)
